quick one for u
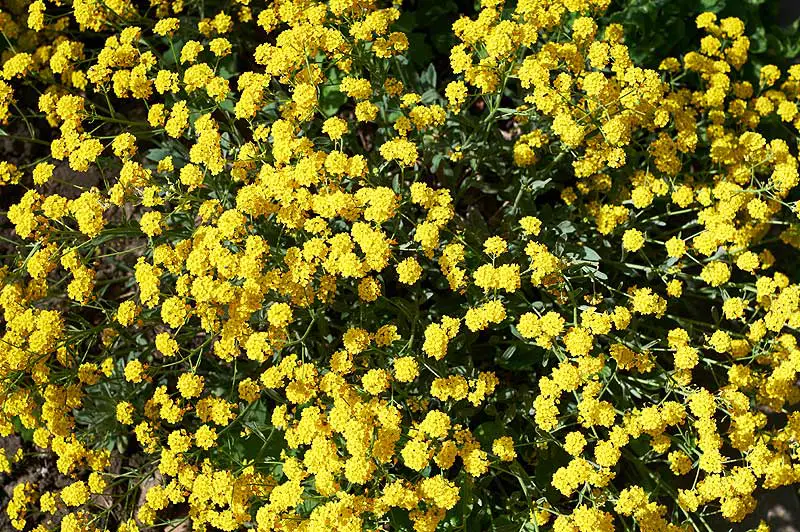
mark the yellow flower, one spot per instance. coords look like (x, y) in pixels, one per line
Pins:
(504, 448)
(279, 315)
(409, 271)
(456, 94)
(334, 127)
(715, 273)
(17, 66)
(676, 247)
(166, 26)
(42, 173)
(220, 47)
(440, 491)
(769, 75)
(190, 385)
(151, 223)
(531, 225)
(400, 150)
(205, 437)
(134, 371)
(190, 51)
(124, 413)
(375, 381)
(406, 369)
(495, 246)
(75, 494)
(633, 240)
(574, 442)
(578, 341)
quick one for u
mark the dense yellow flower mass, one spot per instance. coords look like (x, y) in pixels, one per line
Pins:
(235, 304)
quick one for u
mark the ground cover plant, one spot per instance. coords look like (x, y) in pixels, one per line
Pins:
(337, 265)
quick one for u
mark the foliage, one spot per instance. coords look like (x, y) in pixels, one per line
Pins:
(307, 266)
(655, 28)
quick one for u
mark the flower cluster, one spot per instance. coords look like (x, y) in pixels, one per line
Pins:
(266, 278)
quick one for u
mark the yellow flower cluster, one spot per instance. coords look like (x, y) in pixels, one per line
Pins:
(265, 300)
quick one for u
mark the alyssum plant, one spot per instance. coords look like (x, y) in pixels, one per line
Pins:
(263, 272)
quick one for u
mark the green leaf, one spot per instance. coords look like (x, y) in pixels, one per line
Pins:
(437, 159)
(566, 227)
(428, 77)
(157, 154)
(227, 67)
(406, 23)
(715, 6)
(587, 253)
(519, 357)
(489, 431)
(419, 51)
(758, 41)
(429, 96)
(399, 520)
(331, 99)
